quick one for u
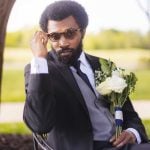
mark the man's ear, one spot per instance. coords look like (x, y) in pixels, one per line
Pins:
(83, 31)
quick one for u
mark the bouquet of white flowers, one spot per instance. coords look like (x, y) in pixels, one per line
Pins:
(116, 84)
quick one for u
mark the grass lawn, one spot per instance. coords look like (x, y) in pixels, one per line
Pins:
(147, 126)
(20, 128)
(16, 59)
(15, 128)
(13, 86)
(143, 85)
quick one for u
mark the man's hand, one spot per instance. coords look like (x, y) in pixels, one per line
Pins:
(125, 138)
(39, 44)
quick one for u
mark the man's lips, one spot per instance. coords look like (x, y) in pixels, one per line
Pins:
(66, 52)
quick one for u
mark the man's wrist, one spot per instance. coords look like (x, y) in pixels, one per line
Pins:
(39, 65)
(136, 134)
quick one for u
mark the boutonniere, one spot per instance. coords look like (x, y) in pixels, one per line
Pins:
(116, 84)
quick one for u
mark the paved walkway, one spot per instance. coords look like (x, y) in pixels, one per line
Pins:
(12, 112)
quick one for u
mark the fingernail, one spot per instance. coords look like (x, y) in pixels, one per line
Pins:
(110, 140)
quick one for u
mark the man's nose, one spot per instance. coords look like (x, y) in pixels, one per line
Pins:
(63, 42)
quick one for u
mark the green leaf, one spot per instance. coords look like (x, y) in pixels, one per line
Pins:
(107, 66)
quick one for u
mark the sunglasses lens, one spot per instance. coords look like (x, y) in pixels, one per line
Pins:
(70, 33)
(54, 36)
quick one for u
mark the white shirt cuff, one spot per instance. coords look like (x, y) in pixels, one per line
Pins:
(39, 65)
(136, 133)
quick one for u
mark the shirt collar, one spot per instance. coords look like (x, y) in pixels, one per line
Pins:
(84, 62)
(83, 59)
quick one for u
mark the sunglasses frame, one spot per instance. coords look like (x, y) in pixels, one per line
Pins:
(59, 34)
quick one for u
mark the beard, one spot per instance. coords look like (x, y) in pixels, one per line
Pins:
(68, 55)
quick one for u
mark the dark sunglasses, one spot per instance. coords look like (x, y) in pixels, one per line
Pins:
(68, 34)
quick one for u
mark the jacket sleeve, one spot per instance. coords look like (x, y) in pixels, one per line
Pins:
(132, 120)
(39, 109)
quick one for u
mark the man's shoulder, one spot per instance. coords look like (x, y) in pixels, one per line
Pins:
(27, 67)
(51, 56)
(99, 62)
(92, 57)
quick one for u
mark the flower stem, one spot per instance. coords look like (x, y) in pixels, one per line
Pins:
(118, 131)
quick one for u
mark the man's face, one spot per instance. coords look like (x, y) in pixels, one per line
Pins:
(65, 38)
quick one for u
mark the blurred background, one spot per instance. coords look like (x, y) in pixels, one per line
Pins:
(118, 30)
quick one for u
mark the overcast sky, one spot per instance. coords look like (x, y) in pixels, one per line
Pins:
(103, 14)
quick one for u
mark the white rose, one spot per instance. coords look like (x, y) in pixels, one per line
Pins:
(117, 84)
(116, 73)
(103, 88)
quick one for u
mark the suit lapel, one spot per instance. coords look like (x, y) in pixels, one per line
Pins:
(94, 62)
(95, 65)
(66, 73)
(69, 78)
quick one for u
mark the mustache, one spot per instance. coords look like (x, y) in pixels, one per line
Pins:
(65, 50)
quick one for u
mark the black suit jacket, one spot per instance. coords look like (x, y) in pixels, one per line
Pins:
(55, 105)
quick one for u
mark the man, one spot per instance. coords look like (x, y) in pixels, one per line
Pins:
(58, 100)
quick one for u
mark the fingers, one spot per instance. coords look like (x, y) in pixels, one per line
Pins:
(41, 37)
(125, 138)
(39, 44)
(112, 139)
(121, 140)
